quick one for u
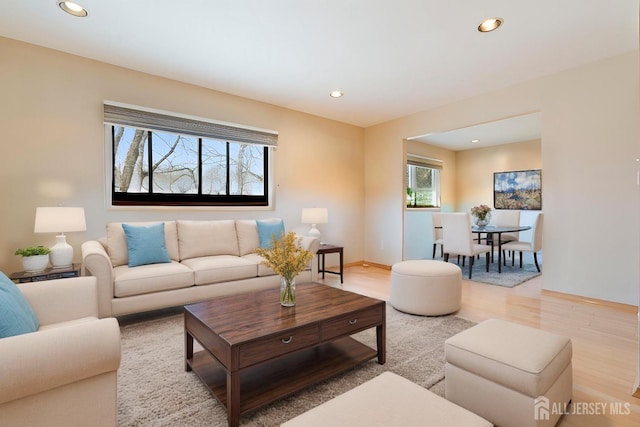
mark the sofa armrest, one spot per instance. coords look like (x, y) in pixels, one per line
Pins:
(312, 244)
(43, 360)
(61, 300)
(96, 262)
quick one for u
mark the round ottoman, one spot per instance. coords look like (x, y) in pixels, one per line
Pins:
(426, 287)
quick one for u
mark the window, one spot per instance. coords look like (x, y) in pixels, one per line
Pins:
(166, 160)
(423, 182)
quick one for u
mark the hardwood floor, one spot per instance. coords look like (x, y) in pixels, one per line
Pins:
(604, 337)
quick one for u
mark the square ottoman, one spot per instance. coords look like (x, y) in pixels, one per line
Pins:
(510, 374)
(387, 400)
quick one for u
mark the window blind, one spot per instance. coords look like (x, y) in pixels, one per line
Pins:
(424, 162)
(123, 116)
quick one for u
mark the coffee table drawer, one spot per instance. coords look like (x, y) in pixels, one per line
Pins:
(351, 323)
(268, 348)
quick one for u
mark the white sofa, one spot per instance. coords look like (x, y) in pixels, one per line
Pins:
(63, 374)
(207, 259)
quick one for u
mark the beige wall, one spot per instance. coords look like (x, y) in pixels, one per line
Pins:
(474, 180)
(589, 146)
(53, 149)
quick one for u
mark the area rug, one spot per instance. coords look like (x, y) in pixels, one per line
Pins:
(155, 390)
(510, 276)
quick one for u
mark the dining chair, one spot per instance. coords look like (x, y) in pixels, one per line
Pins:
(436, 221)
(534, 246)
(506, 218)
(457, 239)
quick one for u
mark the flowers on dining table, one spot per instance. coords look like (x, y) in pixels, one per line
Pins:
(285, 256)
(480, 211)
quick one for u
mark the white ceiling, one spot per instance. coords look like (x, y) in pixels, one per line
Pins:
(391, 58)
(514, 129)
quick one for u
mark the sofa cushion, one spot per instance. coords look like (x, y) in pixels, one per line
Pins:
(67, 323)
(117, 241)
(248, 239)
(146, 279)
(207, 238)
(145, 244)
(221, 268)
(16, 315)
(267, 230)
(263, 270)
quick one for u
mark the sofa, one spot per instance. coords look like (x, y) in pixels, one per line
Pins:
(206, 259)
(64, 372)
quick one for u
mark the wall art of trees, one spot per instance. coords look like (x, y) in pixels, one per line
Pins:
(518, 190)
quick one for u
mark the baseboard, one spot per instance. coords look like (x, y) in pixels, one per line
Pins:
(354, 264)
(373, 264)
(593, 301)
(364, 264)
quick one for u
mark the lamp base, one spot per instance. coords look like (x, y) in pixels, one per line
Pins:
(314, 232)
(61, 255)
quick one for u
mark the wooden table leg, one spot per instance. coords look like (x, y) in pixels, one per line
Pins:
(381, 338)
(341, 266)
(188, 347)
(233, 399)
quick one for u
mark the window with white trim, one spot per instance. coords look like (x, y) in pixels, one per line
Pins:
(423, 182)
(160, 159)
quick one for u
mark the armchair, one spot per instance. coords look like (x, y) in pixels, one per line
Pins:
(64, 373)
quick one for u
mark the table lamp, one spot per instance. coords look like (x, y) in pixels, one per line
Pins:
(315, 216)
(60, 220)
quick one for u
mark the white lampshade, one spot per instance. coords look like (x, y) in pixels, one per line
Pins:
(60, 220)
(315, 216)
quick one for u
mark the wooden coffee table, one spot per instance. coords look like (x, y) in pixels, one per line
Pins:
(256, 351)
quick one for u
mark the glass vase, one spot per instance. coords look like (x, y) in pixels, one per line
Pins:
(483, 222)
(287, 292)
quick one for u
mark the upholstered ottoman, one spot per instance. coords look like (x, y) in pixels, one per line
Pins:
(387, 400)
(510, 374)
(426, 287)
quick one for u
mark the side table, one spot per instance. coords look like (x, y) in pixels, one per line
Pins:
(49, 273)
(328, 249)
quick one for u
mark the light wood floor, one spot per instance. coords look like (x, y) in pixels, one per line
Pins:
(604, 337)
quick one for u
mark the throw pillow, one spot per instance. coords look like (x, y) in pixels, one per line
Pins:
(146, 244)
(16, 315)
(268, 228)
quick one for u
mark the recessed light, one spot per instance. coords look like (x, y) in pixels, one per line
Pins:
(490, 24)
(336, 94)
(72, 8)
(475, 140)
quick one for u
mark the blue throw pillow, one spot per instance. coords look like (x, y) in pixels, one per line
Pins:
(16, 315)
(146, 244)
(268, 228)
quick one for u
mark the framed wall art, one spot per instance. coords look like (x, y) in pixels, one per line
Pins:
(518, 190)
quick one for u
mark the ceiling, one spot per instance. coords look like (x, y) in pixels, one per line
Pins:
(526, 127)
(390, 58)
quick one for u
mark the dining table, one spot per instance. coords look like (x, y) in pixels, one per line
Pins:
(492, 230)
